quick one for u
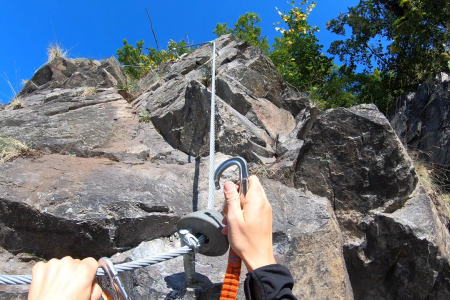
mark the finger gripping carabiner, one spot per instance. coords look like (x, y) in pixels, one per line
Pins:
(243, 172)
(106, 264)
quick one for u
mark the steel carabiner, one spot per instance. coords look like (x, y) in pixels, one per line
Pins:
(107, 265)
(243, 173)
(231, 282)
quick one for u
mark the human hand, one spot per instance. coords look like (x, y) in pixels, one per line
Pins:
(249, 224)
(65, 279)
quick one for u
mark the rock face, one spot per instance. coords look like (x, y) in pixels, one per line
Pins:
(422, 122)
(350, 220)
(251, 111)
(72, 73)
(353, 157)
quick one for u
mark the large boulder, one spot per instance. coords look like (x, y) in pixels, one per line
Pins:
(403, 255)
(72, 73)
(353, 157)
(58, 205)
(253, 104)
(422, 122)
(395, 246)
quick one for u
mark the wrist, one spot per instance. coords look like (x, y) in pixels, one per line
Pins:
(256, 263)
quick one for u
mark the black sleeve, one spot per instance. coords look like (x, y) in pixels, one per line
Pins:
(270, 282)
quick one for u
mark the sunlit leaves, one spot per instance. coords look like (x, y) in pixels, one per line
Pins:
(137, 63)
(246, 30)
(408, 41)
(130, 56)
(297, 53)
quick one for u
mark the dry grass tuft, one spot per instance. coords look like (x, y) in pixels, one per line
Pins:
(16, 104)
(433, 180)
(55, 50)
(261, 170)
(89, 90)
(11, 148)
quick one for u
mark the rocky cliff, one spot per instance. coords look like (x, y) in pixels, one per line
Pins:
(351, 220)
(422, 122)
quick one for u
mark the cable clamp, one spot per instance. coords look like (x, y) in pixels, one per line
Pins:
(189, 239)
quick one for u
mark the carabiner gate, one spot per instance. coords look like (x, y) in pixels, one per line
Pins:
(106, 264)
(243, 173)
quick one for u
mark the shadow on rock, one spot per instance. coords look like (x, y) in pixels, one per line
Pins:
(204, 288)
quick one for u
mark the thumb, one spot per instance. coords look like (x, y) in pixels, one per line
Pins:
(233, 201)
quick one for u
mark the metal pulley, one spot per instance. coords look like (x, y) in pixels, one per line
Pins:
(208, 222)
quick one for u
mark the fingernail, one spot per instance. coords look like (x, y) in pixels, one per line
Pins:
(229, 187)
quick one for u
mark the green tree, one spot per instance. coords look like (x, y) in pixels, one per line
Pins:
(406, 40)
(130, 56)
(337, 90)
(297, 54)
(222, 29)
(136, 61)
(246, 30)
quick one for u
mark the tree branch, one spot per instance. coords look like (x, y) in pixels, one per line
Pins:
(187, 37)
(151, 25)
(386, 62)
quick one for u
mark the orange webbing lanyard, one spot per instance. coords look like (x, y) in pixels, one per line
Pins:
(231, 282)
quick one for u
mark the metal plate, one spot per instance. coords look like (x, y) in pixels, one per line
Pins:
(209, 223)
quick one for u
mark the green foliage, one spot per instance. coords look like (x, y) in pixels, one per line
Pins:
(138, 63)
(297, 53)
(175, 47)
(144, 117)
(344, 88)
(336, 90)
(130, 56)
(222, 29)
(132, 88)
(407, 40)
(246, 30)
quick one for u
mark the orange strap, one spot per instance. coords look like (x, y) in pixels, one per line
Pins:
(231, 282)
(106, 296)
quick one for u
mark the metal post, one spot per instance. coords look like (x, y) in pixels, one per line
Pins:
(188, 259)
(212, 138)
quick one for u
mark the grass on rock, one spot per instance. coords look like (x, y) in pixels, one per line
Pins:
(11, 148)
(55, 50)
(89, 90)
(433, 180)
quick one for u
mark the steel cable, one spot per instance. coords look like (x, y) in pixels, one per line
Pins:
(129, 266)
(212, 133)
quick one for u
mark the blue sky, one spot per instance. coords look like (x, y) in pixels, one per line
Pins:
(95, 29)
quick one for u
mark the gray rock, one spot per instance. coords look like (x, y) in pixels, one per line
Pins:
(87, 206)
(353, 157)
(180, 111)
(178, 100)
(422, 122)
(15, 265)
(307, 240)
(306, 236)
(110, 73)
(395, 246)
(340, 183)
(72, 73)
(403, 255)
(66, 124)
